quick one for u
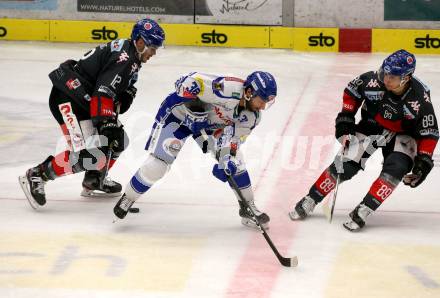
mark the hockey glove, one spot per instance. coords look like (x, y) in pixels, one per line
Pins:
(113, 133)
(227, 166)
(344, 125)
(423, 164)
(126, 99)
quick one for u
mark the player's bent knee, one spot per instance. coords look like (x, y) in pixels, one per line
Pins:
(397, 164)
(153, 169)
(350, 169)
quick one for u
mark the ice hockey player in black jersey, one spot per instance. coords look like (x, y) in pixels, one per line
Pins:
(86, 98)
(396, 115)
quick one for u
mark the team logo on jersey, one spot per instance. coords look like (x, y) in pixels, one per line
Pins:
(191, 91)
(373, 83)
(72, 84)
(374, 95)
(123, 57)
(218, 86)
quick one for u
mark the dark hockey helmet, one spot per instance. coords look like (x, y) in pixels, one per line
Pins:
(150, 31)
(400, 63)
(263, 84)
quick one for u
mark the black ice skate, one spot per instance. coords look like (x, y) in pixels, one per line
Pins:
(34, 180)
(92, 186)
(123, 206)
(248, 220)
(303, 208)
(357, 216)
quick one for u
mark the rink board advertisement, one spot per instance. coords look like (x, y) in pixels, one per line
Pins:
(411, 10)
(416, 41)
(217, 36)
(316, 39)
(249, 12)
(74, 31)
(13, 29)
(151, 7)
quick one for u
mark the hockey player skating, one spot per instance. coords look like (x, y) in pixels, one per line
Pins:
(396, 115)
(86, 97)
(200, 106)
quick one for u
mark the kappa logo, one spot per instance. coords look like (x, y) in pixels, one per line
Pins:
(426, 97)
(373, 83)
(123, 57)
(415, 105)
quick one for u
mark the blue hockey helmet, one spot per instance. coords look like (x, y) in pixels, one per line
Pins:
(263, 84)
(150, 31)
(400, 63)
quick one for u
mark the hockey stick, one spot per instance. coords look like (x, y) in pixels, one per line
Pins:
(287, 262)
(328, 206)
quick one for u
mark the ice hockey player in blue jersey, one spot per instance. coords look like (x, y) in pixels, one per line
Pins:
(219, 112)
(397, 116)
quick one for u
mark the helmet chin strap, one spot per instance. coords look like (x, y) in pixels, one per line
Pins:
(140, 53)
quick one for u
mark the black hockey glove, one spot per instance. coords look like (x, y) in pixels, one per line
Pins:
(126, 99)
(344, 125)
(113, 133)
(423, 164)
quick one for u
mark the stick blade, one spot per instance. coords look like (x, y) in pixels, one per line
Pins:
(289, 262)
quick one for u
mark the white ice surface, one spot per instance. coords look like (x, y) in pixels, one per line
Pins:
(188, 241)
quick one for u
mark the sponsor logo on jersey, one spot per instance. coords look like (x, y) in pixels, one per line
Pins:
(72, 84)
(407, 113)
(134, 68)
(427, 42)
(373, 83)
(220, 115)
(104, 34)
(374, 95)
(321, 40)
(172, 146)
(218, 86)
(3, 31)
(213, 37)
(429, 132)
(191, 91)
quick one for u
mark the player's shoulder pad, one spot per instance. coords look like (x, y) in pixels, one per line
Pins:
(422, 93)
(117, 44)
(189, 86)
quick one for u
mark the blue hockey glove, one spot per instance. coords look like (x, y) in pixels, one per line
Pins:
(227, 166)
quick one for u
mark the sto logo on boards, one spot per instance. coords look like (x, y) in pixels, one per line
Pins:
(104, 34)
(3, 31)
(214, 37)
(321, 40)
(427, 42)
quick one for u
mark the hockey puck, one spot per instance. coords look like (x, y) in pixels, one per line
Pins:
(133, 210)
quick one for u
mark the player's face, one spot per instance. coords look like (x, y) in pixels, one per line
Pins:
(257, 104)
(145, 52)
(393, 83)
(149, 52)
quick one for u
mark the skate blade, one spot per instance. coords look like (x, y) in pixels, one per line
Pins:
(98, 194)
(251, 224)
(351, 226)
(294, 216)
(25, 187)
